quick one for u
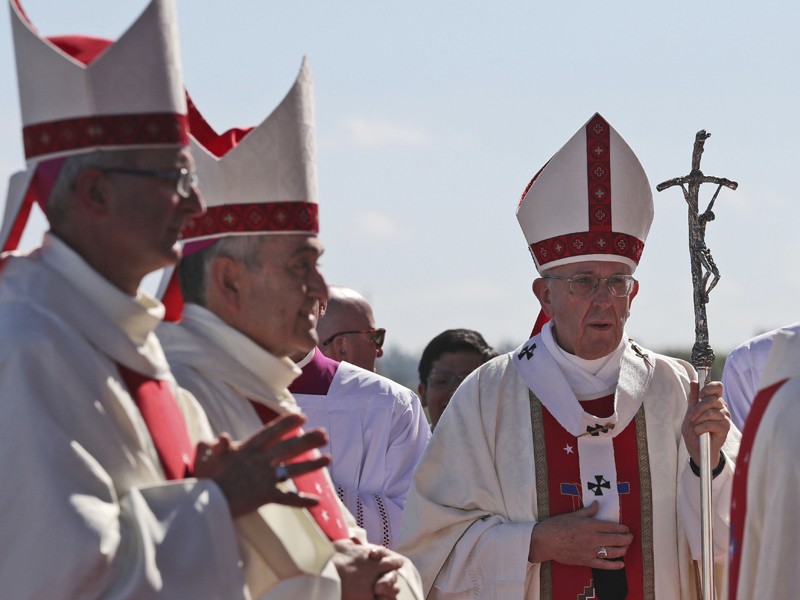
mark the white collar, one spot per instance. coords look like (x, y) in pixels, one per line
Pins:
(274, 373)
(138, 316)
(588, 379)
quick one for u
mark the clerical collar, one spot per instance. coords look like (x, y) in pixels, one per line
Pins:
(306, 359)
(138, 316)
(588, 379)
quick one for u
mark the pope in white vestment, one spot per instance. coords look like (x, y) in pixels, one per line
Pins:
(565, 469)
(87, 512)
(483, 482)
(377, 431)
(765, 527)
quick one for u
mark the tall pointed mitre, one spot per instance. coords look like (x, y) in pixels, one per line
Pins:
(261, 180)
(80, 94)
(590, 202)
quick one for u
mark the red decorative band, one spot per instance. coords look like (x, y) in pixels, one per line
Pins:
(251, 218)
(598, 163)
(588, 243)
(107, 130)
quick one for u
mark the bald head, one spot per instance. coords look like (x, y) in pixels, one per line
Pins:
(347, 328)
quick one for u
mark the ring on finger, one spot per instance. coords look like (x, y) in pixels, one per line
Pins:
(602, 552)
(281, 473)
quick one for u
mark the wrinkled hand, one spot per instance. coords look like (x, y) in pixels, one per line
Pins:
(367, 571)
(574, 538)
(245, 471)
(709, 414)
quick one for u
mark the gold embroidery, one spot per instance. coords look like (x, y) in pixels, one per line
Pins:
(542, 497)
(646, 490)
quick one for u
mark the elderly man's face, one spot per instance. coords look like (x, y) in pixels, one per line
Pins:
(589, 327)
(279, 307)
(147, 213)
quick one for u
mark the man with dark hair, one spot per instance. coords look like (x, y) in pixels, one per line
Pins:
(445, 363)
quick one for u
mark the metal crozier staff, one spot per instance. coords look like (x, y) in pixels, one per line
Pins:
(705, 276)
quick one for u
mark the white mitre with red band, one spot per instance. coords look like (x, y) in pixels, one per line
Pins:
(591, 201)
(259, 181)
(79, 94)
(254, 181)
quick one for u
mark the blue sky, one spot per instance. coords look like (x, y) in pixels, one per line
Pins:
(433, 116)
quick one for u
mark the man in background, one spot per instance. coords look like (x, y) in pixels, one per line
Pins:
(347, 329)
(445, 363)
(377, 430)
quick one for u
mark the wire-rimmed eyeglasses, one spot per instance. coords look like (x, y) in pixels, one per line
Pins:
(377, 336)
(184, 178)
(586, 285)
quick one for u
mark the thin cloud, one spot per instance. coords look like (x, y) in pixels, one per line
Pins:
(377, 226)
(378, 133)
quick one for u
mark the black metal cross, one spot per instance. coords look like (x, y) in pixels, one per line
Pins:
(705, 274)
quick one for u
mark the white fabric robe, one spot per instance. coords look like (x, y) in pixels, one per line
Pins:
(468, 519)
(770, 547)
(225, 370)
(743, 369)
(86, 511)
(378, 432)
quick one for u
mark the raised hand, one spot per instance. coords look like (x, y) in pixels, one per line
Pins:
(246, 471)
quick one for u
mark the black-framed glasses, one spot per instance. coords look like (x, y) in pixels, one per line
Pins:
(586, 285)
(442, 379)
(377, 336)
(184, 178)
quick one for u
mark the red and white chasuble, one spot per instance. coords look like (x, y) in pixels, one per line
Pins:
(516, 446)
(765, 526)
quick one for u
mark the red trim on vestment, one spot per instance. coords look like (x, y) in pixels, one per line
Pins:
(739, 491)
(254, 218)
(328, 513)
(563, 469)
(81, 133)
(541, 320)
(164, 421)
(173, 298)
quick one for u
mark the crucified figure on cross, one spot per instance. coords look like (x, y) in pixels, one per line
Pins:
(705, 276)
(705, 273)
